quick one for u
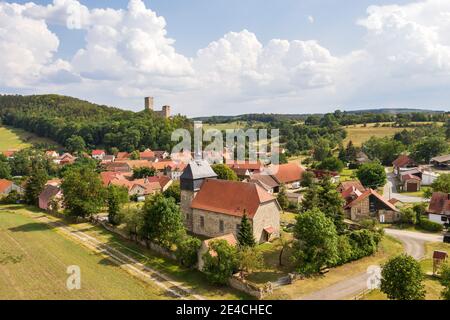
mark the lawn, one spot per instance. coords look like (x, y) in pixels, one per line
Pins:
(225, 126)
(388, 248)
(360, 134)
(190, 278)
(432, 285)
(34, 260)
(347, 174)
(12, 138)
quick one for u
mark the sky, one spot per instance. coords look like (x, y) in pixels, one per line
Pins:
(226, 57)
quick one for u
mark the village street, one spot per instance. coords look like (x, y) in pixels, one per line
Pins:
(414, 245)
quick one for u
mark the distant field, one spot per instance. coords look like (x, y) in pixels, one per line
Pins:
(225, 126)
(34, 259)
(359, 134)
(12, 138)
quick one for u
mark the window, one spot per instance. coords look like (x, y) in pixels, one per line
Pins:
(202, 222)
(444, 219)
(221, 226)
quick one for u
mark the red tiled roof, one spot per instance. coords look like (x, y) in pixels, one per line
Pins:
(109, 176)
(375, 194)
(98, 152)
(287, 173)
(229, 238)
(409, 176)
(402, 160)
(4, 184)
(147, 154)
(122, 155)
(352, 183)
(394, 201)
(266, 179)
(439, 203)
(245, 165)
(232, 198)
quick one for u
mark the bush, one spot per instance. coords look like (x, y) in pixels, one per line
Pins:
(187, 249)
(345, 250)
(12, 198)
(431, 226)
(364, 243)
(221, 266)
(407, 216)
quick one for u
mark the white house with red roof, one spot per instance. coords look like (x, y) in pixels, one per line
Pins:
(98, 154)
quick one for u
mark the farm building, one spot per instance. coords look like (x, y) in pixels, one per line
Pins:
(439, 208)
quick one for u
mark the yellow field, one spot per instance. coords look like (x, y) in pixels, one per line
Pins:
(359, 134)
(12, 138)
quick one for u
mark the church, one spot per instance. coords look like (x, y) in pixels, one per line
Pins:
(213, 207)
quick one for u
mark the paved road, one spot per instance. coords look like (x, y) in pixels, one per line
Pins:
(390, 191)
(414, 245)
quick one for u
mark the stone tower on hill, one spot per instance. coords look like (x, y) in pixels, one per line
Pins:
(165, 112)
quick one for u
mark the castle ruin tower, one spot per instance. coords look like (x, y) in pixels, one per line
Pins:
(149, 103)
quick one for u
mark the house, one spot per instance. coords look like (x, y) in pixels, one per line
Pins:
(117, 166)
(122, 156)
(98, 154)
(108, 158)
(441, 162)
(108, 176)
(410, 182)
(214, 207)
(345, 185)
(244, 169)
(362, 158)
(439, 208)
(266, 181)
(50, 195)
(320, 174)
(52, 154)
(148, 155)
(174, 170)
(7, 186)
(403, 163)
(369, 204)
(229, 238)
(289, 174)
(161, 155)
(64, 159)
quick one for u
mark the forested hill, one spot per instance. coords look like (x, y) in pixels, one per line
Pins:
(68, 120)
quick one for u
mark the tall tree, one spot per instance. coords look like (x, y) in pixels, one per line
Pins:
(316, 242)
(116, 198)
(163, 222)
(75, 144)
(84, 194)
(442, 183)
(245, 235)
(331, 203)
(220, 266)
(282, 198)
(35, 184)
(402, 279)
(372, 175)
(428, 148)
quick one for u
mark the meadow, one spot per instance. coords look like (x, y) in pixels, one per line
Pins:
(17, 139)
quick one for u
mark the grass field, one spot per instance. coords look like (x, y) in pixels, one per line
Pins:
(360, 134)
(12, 138)
(34, 259)
(190, 278)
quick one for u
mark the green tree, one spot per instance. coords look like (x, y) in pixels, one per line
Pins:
(322, 150)
(245, 235)
(116, 198)
(384, 149)
(445, 280)
(174, 191)
(420, 210)
(442, 183)
(224, 172)
(408, 216)
(402, 279)
(350, 152)
(330, 202)
(135, 155)
(35, 184)
(316, 242)
(331, 164)
(163, 222)
(187, 249)
(250, 260)
(220, 266)
(428, 148)
(84, 194)
(143, 172)
(283, 199)
(311, 199)
(307, 179)
(5, 170)
(372, 175)
(75, 144)
(133, 218)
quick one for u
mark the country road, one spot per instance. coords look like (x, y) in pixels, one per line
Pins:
(414, 243)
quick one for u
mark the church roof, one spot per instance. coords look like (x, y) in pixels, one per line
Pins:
(198, 169)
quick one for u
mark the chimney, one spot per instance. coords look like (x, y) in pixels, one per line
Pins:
(149, 103)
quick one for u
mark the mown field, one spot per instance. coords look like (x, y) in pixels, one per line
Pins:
(360, 134)
(34, 260)
(12, 138)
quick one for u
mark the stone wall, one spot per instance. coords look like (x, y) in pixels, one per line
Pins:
(212, 220)
(361, 210)
(242, 285)
(268, 215)
(185, 206)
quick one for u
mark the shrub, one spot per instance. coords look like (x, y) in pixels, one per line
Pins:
(187, 249)
(364, 243)
(220, 266)
(431, 226)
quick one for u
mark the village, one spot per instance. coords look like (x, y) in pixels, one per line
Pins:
(229, 209)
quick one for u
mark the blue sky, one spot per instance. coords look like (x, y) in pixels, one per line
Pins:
(229, 56)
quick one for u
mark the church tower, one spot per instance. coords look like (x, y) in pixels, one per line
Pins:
(190, 182)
